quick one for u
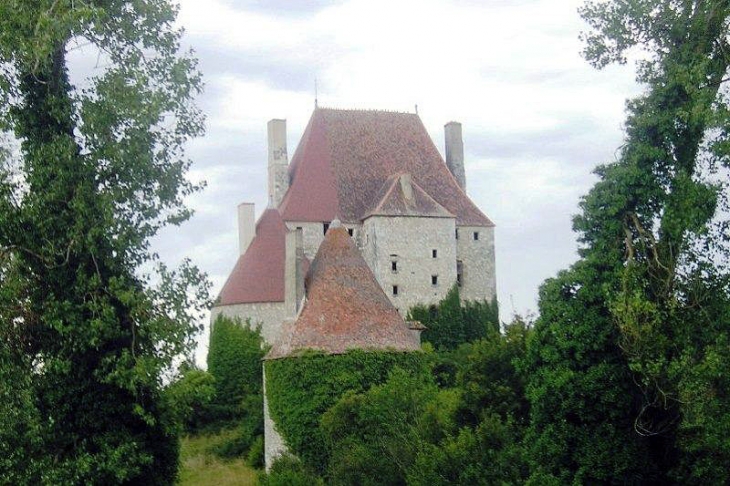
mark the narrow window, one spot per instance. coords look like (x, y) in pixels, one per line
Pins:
(476, 235)
(459, 273)
(434, 253)
(457, 233)
(325, 227)
(394, 266)
(395, 290)
(434, 279)
(350, 231)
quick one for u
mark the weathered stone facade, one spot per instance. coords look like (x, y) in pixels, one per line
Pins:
(270, 315)
(413, 259)
(479, 280)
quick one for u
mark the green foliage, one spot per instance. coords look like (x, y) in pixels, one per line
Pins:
(190, 396)
(289, 471)
(488, 376)
(621, 376)
(300, 389)
(375, 436)
(234, 359)
(452, 323)
(99, 172)
(255, 456)
(486, 455)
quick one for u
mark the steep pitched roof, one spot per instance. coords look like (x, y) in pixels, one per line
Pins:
(400, 196)
(345, 157)
(259, 273)
(345, 307)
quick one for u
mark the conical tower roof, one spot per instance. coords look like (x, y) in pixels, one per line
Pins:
(345, 307)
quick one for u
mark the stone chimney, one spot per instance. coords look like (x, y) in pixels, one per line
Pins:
(246, 226)
(294, 271)
(278, 161)
(455, 152)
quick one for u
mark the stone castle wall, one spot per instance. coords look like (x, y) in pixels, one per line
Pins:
(479, 280)
(270, 315)
(410, 242)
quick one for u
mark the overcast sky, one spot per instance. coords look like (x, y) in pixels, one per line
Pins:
(536, 117)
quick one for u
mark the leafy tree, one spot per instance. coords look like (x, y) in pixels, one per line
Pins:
(234, 359)
(100, 170)
(190, 396)
(452, 322)
(626, 338)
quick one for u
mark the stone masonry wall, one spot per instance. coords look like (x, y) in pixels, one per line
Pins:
(410, 241)
(479, 277)
(313, 235)
(270, 315)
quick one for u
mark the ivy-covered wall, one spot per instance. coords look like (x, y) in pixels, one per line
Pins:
(300, 389)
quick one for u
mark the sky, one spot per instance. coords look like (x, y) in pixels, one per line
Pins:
(536, 117)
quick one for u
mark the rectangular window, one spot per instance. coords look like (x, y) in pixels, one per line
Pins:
(434, 253)
(351, 231)
(459, 273)
(395, 290)
(325, 227)
(434, 279)
(394, 266)
(299, 227)
(476, 235)
(457, 233)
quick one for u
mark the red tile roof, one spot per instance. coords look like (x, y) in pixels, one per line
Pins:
(259, 273)
(345, 307)
(345, 157)
(400, 196)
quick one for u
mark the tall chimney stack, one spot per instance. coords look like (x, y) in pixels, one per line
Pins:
(455, 152)
(278, 161)
(246, 226)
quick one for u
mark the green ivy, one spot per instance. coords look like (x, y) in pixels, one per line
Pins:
(300, 389)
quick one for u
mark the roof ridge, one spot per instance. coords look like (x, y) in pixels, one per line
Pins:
(366, 110)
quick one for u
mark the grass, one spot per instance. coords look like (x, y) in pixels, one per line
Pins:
(200, 467)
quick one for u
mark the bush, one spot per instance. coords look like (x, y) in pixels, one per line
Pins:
(255, 456)
(190, 397)
(234, 359)
(452, 323)
(300, 389)
(289, 471)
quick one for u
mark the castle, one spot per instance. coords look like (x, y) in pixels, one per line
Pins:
(404, 206)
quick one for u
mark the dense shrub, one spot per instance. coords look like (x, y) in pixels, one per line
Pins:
(452, 322)
(234, 359)
(289, 471)
(374, 437)
(191, 396)
(301, 389)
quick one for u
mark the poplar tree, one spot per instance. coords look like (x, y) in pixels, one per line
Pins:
(626, 381)
(87, 327)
